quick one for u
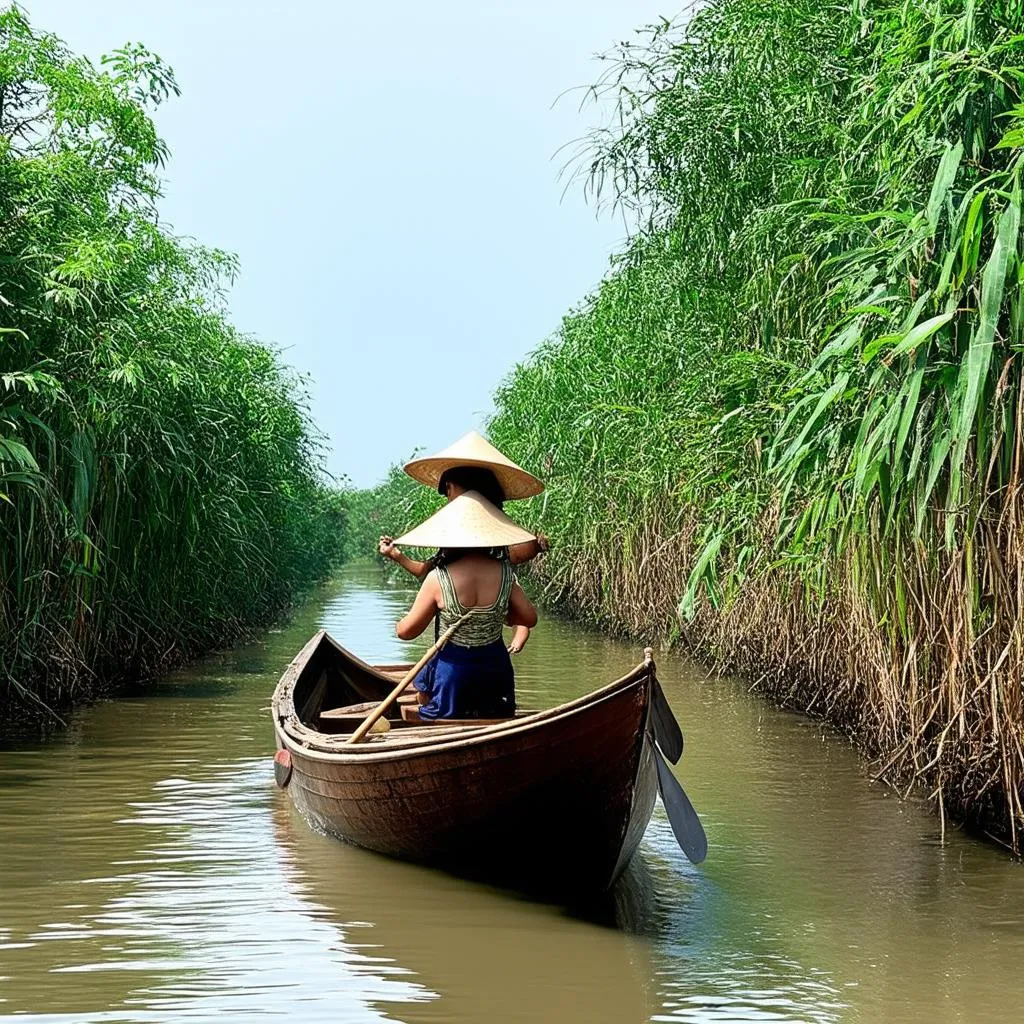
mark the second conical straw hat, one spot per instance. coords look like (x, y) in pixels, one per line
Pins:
(468, 521)
(473, 450)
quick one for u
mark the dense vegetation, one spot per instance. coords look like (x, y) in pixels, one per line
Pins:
(393, 506)
(787, 426)
(160, 486)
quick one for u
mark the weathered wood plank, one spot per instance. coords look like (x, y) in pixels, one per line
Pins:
(555, 800)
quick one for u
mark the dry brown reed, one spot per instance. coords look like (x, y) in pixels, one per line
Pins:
(940, 710)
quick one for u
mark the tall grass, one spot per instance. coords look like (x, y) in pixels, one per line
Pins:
(390, 508)
(787, 426)
(160, 483)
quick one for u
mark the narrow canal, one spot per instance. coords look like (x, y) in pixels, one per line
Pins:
(150, 871)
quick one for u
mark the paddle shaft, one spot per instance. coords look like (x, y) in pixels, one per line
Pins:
(378, 712)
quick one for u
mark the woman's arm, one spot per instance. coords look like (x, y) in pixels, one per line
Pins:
(422, 612)
(387, 548)
(519, 553)
(520, 610)
(518, 641)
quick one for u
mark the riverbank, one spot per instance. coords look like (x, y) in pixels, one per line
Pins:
(821, 653)
(161, 487)
(786, 430)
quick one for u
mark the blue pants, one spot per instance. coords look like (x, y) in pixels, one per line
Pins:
(468, 682)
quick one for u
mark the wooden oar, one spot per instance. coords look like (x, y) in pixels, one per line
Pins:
(689, 832)
(367, 723)
(666, 728)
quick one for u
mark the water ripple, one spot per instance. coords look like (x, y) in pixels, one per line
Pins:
(152, 872)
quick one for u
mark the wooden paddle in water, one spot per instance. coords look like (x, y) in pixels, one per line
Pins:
(378, 712)
(689, 832)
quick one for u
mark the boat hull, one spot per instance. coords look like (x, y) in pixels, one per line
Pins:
(554, 803)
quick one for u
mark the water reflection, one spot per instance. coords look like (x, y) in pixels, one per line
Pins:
(149, 871)
(484, 954)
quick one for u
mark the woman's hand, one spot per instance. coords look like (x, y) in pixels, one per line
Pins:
(543, 543)
(519, 637)
(386, 546)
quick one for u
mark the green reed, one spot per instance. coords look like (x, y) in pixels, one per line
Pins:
(160, 482)
(787, 426)
(390, 508)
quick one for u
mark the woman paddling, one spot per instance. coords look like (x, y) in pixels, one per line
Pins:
(472, 676)
(473, 464)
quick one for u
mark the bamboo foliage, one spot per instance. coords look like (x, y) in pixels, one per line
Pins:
(792, 411)
(160, 483)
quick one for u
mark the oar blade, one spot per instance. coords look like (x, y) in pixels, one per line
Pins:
(689, 832)
(666, 728)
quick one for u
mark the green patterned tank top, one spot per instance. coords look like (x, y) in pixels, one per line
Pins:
(485, 625)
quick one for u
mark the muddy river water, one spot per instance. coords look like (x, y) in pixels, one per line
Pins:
(150, 871)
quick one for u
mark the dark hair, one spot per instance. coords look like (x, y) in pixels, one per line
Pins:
(446, 556)
(473, 478)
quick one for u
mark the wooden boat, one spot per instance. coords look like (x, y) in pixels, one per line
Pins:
(551, 801)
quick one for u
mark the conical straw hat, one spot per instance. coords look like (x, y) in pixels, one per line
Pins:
(473, 450)
(468, 521)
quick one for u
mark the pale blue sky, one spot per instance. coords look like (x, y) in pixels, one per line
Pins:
(387, 176)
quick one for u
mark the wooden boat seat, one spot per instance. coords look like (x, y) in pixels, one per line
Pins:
(363, 709)
(411, 713)
(394, 672)
(347, 719)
